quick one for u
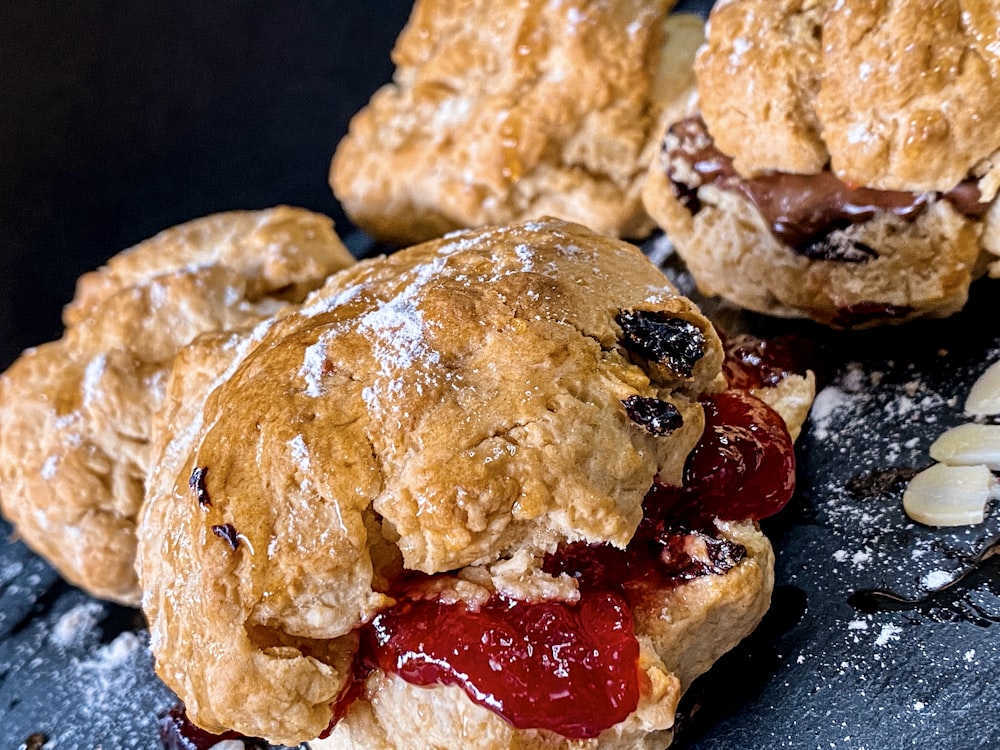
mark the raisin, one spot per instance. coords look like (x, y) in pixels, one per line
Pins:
(197, 484)
(673, 342)
(660, 418)
(228, 532)
(836, 247)
(35, 741)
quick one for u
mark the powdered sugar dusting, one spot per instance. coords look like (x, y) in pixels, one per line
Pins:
(397, 331)
(74, 626)
(300, 454)
(313, 363)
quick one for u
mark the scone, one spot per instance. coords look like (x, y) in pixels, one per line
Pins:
(505, 111)
(843, 165)
(76, 413)
(461, 498)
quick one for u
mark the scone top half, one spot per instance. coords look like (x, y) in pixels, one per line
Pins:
(451, 408)
(858, 137)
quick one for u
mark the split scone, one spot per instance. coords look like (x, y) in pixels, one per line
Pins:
(76, 413)
(469, 495)
(844, 162)
(505, 111)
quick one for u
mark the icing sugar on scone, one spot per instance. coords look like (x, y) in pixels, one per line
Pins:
(842, 165)
(77, 412)
(463, 432)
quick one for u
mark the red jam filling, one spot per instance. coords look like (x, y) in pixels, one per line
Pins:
(568, 668)
(177, 732)
(752, 362)
(572, 668)
(742, 468)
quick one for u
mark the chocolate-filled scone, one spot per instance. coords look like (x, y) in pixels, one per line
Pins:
(469, 495)
(504, 111)
(77, 412)
(843, 165)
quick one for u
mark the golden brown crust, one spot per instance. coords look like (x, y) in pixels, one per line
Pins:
(758, 76)
(76, 412)
(502, 112)
(455, 404)
(894, 95)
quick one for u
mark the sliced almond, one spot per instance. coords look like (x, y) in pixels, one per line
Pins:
(984, 396)
(969, 445)
(945, 495)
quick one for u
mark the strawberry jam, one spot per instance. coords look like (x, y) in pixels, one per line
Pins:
(752, 362)
(177, 732)
(742, 468)
(569, 668)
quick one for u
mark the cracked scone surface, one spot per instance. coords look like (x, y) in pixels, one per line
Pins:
(77, 412)
(454, 407)
(893, 95)
(506, 111)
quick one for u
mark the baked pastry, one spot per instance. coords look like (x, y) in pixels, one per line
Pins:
(76, 413)
(836, 171)
(446, 457)
(506, 111)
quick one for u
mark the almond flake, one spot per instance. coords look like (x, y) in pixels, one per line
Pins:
(945, 495)
(969, 445)
(984, 396)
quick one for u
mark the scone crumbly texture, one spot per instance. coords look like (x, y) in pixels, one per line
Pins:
(506, 111)
(893, 95)
(456, 407)
(77, 412)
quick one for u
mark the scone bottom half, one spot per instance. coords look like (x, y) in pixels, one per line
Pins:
(811, 245)
(450, 503)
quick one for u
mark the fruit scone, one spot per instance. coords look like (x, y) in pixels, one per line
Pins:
(76, 413)
(505, 111)
(843, 165)
(490, 491)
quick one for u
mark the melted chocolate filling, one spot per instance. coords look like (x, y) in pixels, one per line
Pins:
(802, 210)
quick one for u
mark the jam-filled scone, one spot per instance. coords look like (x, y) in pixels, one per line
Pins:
(469, 495)
(843, 165)
(76, 413)
(505, 111)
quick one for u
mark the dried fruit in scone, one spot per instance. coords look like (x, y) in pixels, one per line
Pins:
(468, 453)
(505, 111)
(843, 164)
(76, 413)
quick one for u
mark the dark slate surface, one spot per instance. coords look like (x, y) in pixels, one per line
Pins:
(121, 119)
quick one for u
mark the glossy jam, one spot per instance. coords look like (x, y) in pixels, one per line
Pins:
(659, 557)
(752, 362)
(568, 668)
(178, 733)
(742, 468)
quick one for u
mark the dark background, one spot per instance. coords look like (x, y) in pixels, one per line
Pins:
(120, 119)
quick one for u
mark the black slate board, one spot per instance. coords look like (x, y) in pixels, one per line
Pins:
(121, 119)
